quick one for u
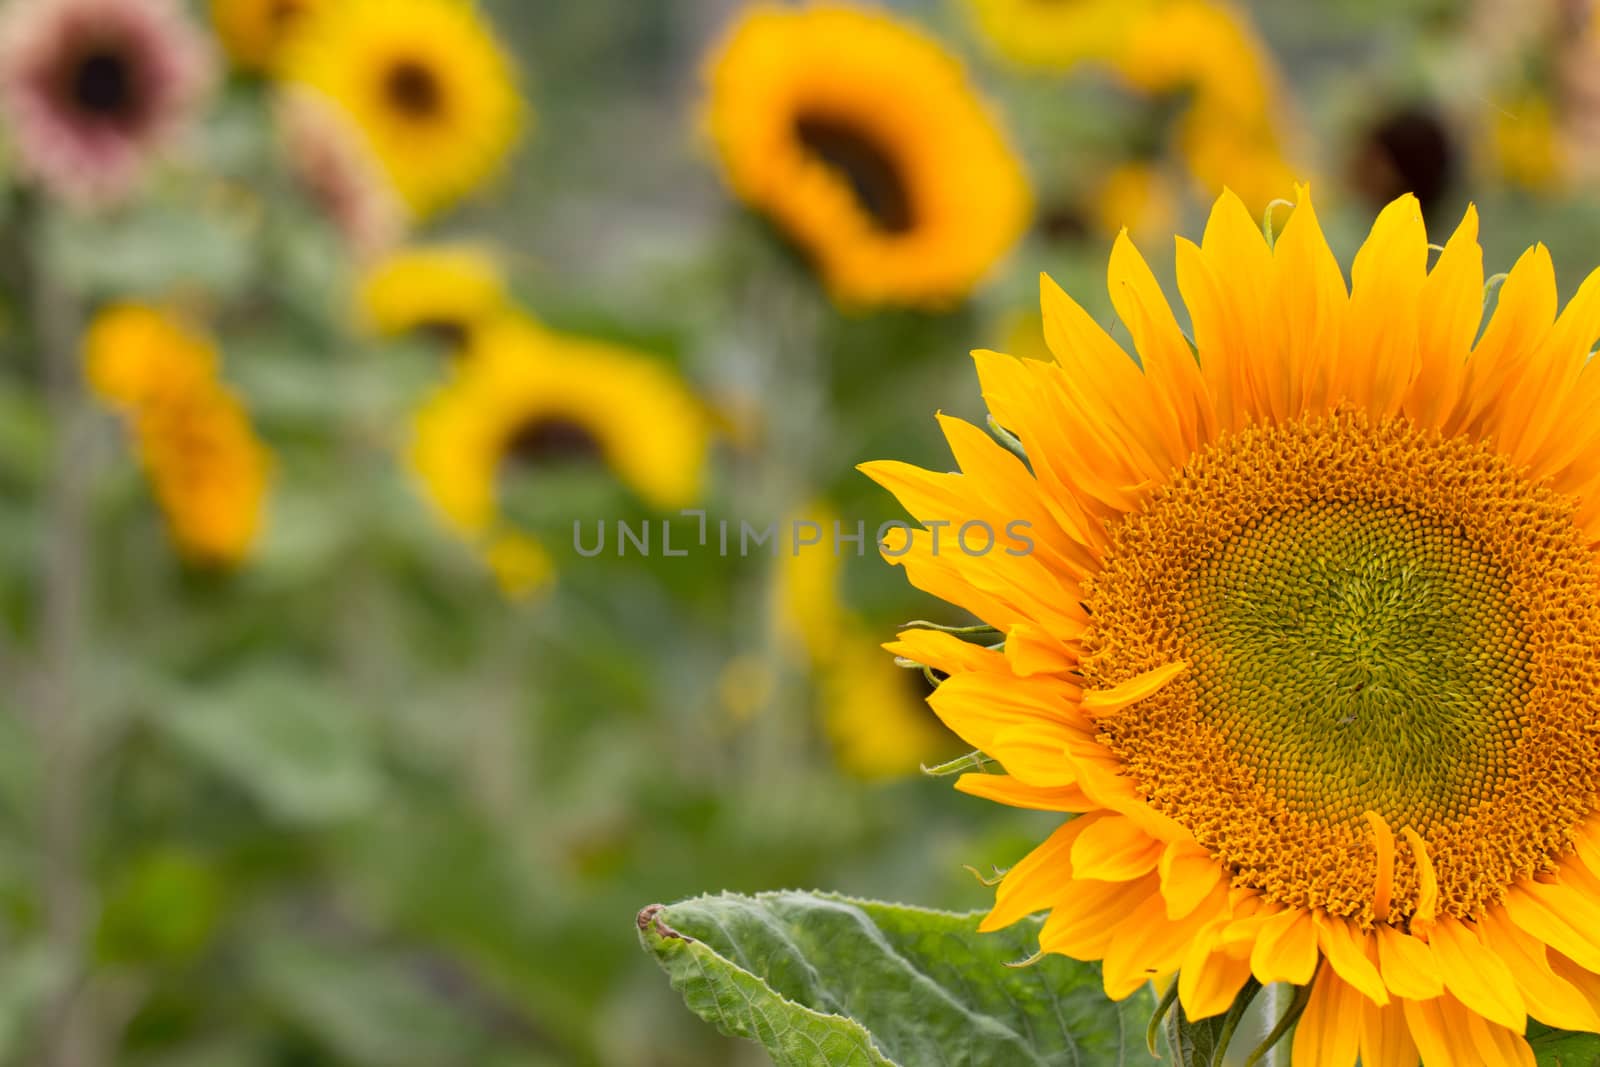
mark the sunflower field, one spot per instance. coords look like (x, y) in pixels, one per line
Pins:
(854, 533)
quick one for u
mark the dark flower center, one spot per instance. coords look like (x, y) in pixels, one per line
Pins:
(1409, 151)
(283, 12)
(874, 175)
(102, 84)
(415, 91)
(551, 440)
(450, 334)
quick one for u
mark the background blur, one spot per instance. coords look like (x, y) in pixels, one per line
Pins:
(378, 793)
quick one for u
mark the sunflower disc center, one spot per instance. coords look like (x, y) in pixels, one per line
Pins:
(872, 172)
(414, 90)
(1362, 658)
(1375, 619)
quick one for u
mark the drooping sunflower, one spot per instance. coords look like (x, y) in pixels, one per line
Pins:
(871, 710)
(1053, 35)
(208, 469)
(446, 291)
(426, 83)
(254, 32)
(1307, 638)
(529, 395)
(863, 140)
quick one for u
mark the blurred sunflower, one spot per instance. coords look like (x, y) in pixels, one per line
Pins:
(206, 466)
(1308, 639)
(1137, 195)
(425, 82)
(1525, 142)
(135, 354)
(1229, 133)
(521, 565)
(446, 292)
(254, 31)
(1053, 35)
(1409, 148)
(863, 140)
(873, 712)
(527, 395)
(91, 89)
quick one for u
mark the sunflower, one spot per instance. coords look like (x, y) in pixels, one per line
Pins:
(254, 32)
(1525, 142)
(1052, 34)
(1307, 638)
(871, 710)
(1229, 134)
(527, 395)
(1411, 147)
(447, 292)
(863, 140)
(206, 466)
(520, 564)
(427, 84)
(1137, 195)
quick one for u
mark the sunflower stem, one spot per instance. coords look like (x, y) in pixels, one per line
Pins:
(1230, 1022)
(71, 1037)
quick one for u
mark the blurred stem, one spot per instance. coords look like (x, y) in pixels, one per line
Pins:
(70, 1038)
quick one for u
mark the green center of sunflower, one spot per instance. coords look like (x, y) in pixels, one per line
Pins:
(1359, 657)
(102, 84)
(413, 88)
(1375, 619)
(874, 175)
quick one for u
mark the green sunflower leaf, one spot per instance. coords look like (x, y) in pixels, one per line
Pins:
(1559, 1048)
(827, 981)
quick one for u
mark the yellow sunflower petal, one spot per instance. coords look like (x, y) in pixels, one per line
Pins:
(1285, 948)
(1451, 312)
(1407, 965)
(1188, 874)
(1035, 883)
(1550, 998)
(1113, 849)
(1163, 350)
(1385, 1037)
(1004, 789)
(1310, 289)
(1343, 946)
(1380, 356)
(1225, 284)
(1210, 977)
(1328, 1033)
(1475, 975)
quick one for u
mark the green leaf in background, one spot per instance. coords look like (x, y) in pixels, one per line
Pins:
(827, 981)
(1558, 1048)
(290, 742)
